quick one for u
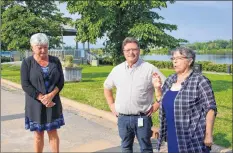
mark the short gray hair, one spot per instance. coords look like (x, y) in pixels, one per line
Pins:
(189, 53)
(39, 39)
(130, 40)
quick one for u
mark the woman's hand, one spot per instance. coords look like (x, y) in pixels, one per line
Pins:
(157, 82)
(47, 98)
(50, 104)
(208, 141)
(39, 97)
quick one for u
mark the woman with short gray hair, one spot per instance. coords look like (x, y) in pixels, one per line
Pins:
(187, 53)
(42, 79)
(187, 106)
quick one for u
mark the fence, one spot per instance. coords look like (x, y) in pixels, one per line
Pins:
(81, 56)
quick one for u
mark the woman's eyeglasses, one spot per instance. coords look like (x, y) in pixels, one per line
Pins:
(178, 58)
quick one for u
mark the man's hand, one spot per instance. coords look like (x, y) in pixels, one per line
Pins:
(208, 141)
(113, 110)
(153, 109)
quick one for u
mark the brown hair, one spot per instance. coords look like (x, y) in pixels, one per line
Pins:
(130, 40)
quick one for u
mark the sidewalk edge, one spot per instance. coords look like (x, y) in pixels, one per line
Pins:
(82, 107)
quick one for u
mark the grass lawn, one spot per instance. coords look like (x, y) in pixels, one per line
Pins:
(90, 91)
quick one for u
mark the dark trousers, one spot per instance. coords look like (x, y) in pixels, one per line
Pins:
(128, 128)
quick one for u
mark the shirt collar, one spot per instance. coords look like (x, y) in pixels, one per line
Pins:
(139, 61)
(174, 78)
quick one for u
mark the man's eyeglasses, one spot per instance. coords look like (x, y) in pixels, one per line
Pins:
(133, 50)
(178, 58)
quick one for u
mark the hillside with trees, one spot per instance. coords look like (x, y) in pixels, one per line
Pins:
(210, 47)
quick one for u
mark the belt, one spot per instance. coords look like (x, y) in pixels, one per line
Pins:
(140, 114)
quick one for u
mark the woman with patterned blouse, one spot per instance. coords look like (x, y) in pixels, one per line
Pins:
(187, 107)
(42, 79)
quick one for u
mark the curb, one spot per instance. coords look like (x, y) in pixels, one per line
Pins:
(82, 107)
(226, 151)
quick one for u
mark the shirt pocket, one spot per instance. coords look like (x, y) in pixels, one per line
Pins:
(142, 84)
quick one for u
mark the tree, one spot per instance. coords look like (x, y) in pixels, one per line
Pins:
(119, 19)
(21, 19)
(229, 44)
(215, 46)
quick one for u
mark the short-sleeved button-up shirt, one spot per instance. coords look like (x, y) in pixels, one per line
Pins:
(135, 91)
(191, 105)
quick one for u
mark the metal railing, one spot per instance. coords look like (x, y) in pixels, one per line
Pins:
(90, 56)
(61, 53)
(79, 55)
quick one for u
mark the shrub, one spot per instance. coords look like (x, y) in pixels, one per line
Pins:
(5, 59)
(69, 59)
(105, 61)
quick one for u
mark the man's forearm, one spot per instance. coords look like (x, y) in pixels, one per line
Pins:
(210, 117)
(109, 96)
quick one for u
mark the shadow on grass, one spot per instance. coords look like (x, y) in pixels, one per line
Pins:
(71, 82)
(94, 75)
(221, 140)
(83, 80)
(225, 107)
(88, 80)
(225, 119)
(221, 85)
(10, 75)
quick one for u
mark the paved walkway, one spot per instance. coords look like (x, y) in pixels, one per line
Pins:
(87, 129)
(82, 132)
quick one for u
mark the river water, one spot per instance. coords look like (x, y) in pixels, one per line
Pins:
(218, 59)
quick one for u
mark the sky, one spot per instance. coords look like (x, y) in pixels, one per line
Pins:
(197, 21)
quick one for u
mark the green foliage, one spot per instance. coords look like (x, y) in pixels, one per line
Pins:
(215, 51)
(69, 61)
(162, 64)
(215, 45)
(105, 61)
(160, 51)
(120, 19)
(5, 59)
(211, 47)
(98, 51)
(21, 19)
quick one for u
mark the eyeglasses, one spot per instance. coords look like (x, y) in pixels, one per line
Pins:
(178, 58)
(133, 50)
